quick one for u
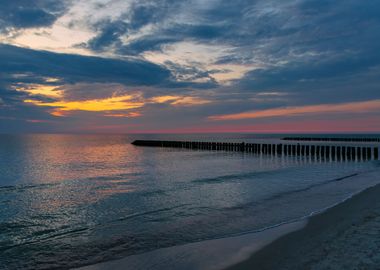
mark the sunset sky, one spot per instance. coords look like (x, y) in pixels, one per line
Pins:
(126, 66)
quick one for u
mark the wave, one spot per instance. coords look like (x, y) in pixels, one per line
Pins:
(145, 213)
(234, 177)
(287, 193)
(21, 188)
(25, 187)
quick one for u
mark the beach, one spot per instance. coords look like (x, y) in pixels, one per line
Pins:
(346, 236)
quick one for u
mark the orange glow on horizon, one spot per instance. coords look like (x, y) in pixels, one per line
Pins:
(352, 107)
(348, 125)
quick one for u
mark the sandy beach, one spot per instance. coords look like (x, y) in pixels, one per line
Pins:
(346, 236)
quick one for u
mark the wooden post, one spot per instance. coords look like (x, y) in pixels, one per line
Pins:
(358, 153)
(348, 152)
(298, 150)
(242, 147)
(328, 152)
(376, 153)
(364, 156)
(333, 152)
(369, 154)
(279, 149)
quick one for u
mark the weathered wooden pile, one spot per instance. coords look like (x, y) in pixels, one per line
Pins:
(333, 139)
(333, 152)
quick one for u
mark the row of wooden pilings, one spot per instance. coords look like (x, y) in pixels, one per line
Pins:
(323, 151)
(336, 139)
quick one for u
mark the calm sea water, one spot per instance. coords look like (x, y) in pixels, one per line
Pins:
(73, 200)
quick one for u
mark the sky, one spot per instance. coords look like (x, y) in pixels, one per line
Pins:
(189, 66)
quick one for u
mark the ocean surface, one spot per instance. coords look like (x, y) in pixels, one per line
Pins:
(72, 200)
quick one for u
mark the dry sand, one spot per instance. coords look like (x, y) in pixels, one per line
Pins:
(346, 236)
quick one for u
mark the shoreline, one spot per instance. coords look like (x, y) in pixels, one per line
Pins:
(205, 254)
(298, 244)
(345, 236)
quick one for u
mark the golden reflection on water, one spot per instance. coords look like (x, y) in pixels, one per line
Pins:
(78, 170)
(62, 157)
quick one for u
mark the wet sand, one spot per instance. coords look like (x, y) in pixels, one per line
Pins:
(346, 236)
(213, 254)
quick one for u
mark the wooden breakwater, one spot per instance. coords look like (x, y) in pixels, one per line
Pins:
(332, 152)
(333, 139)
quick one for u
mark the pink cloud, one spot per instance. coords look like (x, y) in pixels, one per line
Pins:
(352, 107)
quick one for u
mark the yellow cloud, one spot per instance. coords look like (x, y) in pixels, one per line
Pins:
(40, 89)
(189, 101)
(115, 106)
(164, 99)
(179, 100)
(353, 107)
(119, 103)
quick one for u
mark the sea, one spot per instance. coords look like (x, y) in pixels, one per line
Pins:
(68, 201)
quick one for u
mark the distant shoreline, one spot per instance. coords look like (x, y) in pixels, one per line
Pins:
(345, 236)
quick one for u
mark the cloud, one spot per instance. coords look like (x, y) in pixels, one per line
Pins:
(180, 100)
(39, 76)
(353, 107)
(17, 14)
(75, 68)
(120, 103)
(280, 44)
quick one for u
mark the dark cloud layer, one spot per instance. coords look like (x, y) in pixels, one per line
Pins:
(294, 41)
(284, 27)
(20, 65)
(26, 13)
(76, 68)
